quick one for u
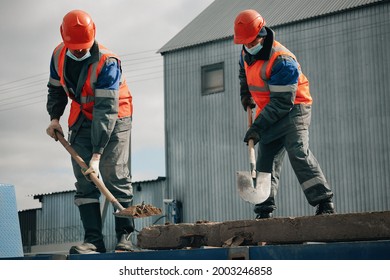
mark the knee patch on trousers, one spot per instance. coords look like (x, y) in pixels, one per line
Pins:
(317, 193)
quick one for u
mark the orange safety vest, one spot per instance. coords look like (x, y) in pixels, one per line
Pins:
(259, 73)
(88, 91)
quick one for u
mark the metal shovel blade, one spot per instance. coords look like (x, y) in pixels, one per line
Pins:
(254, 192)
(138, 211)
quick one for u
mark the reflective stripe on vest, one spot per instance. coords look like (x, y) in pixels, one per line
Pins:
(88, 93)
(259, 73)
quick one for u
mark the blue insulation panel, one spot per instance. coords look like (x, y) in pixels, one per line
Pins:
(11, 240)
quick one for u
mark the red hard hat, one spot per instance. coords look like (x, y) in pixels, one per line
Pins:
(78, 30)
(247, 26)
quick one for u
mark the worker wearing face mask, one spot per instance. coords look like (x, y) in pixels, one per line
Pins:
(271, 79)
(99, 124)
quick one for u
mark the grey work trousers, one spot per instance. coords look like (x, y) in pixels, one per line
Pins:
(306, 168)
(114, 163)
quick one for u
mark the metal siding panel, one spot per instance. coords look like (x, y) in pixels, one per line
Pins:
(216, 21)
(349, 129)
(59, 221)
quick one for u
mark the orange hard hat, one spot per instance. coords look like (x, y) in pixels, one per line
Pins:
(247, 26)
(78, 30)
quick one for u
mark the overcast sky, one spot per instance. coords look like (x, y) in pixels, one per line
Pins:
(29, 31)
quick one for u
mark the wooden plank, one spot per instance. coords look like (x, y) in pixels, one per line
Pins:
(327, 228)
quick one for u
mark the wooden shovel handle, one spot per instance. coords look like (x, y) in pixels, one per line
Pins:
(99, 183)
(250, 117)
(251, 146)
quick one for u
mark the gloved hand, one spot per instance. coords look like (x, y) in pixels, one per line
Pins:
(247, 101)
(252, 133)
(93, 166)
(53, 126)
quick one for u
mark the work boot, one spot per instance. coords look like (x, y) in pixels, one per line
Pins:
(85, 248)
(125, 244)
(325, 207)
(93, 237)
(264, 215)
(264, 210)
(124, 228)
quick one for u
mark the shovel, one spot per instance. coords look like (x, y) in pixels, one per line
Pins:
(136, 211)
(253, 187)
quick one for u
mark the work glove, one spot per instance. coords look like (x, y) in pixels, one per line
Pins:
(93, 166)
(53, 126)
(247, 101)
(252, 133)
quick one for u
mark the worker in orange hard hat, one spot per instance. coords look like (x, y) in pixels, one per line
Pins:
(78, 30)
(99, 124)
(271, 79)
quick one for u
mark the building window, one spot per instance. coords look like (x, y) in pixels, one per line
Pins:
(213, 78)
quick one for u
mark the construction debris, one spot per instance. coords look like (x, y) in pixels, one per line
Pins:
(234, 241)
(139, 211)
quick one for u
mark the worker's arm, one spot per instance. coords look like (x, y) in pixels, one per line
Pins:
(56, 102)
(57, 98)
(105, 112)
(246, 97)
(282, 84)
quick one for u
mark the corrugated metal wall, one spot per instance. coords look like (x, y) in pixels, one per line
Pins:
(58, 221)
(345, 59)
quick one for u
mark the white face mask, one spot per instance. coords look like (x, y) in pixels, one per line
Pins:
(255, 49)
(72, 56)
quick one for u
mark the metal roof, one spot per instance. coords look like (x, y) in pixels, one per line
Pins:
(216, 21)
(35, 196)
